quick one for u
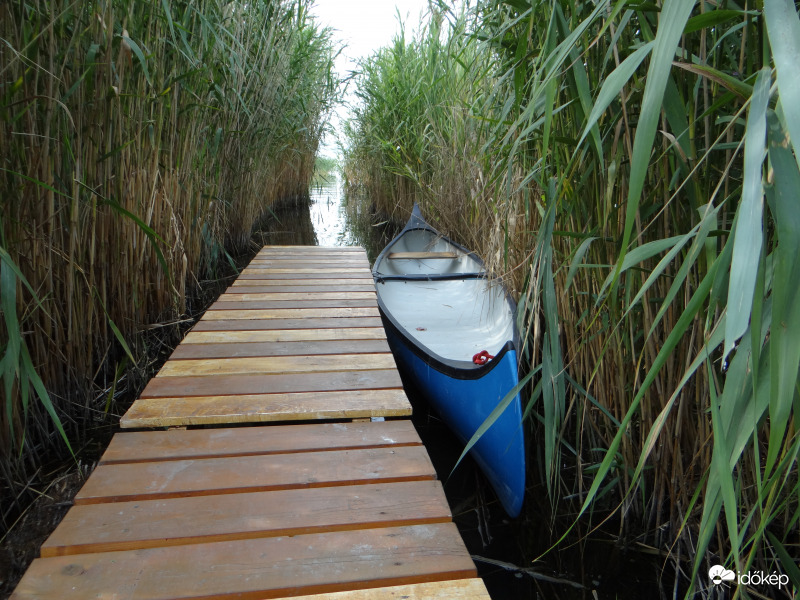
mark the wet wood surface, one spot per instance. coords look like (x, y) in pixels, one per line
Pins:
(266, 567)
(267, 408)
(154, 446)
(262, 351)
(250, 506)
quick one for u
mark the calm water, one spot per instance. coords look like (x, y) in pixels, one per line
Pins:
(503, 549)
(328, 217)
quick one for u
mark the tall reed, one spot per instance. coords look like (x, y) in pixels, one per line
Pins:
(140, 143)
(622, 154)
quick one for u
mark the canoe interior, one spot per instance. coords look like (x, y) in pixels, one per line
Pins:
(451, 318)
(425, 240)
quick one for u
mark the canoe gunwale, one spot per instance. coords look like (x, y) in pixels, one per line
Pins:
(429, 277)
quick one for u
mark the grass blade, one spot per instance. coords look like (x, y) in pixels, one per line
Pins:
(783, 28)
(748, 235)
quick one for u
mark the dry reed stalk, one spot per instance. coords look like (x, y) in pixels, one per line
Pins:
(140, 144)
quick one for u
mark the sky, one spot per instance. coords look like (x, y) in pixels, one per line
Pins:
(364, 26)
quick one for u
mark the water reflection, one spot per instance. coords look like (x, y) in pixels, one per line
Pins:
(288, 224)
(327, 215)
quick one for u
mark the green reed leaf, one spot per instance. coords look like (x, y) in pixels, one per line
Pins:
(748, 235)
(783, 28)
(672, 21)
(784, 196)
(612, 86)
(140, 56)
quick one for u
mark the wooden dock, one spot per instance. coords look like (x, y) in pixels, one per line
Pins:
(305, 479)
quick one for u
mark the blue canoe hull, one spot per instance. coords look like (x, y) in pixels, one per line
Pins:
(465, 403)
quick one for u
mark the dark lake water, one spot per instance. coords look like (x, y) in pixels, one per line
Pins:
(503, 549)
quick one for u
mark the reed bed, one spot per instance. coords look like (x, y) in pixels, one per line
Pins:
(141, 142)
(631, 170)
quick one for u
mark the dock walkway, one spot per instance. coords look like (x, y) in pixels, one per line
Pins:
(341, 504)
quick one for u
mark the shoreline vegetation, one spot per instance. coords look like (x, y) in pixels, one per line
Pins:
(631, 171)
(142, 143)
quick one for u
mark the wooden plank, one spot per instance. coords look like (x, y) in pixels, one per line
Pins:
(460, 589)
(284, 335)
(202, 519)
(152, 446)
(253, 349)
(309, 323)
(265, 408)
(269, 249)
(343, 257)
(313, 254)
(203, 367)
(311, 270)
(238, 474)
(232, 304)
(238, 296)
(272, 247)
(365, 284)
(301, 267)
(290, 313)
(322, 258)
(295, 261)
(311, 259)
(228, 385)
(293, 274)
(256, 569)
(304, 268)
(422, 255)
(327, 286)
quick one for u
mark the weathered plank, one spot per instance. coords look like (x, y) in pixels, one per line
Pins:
(230, 475)
(284, 335)
(291, 262)
(324, 249)
(346, 271)
(226, 385)
(308, 264)
(327, 363)
(234, 304)
(266, 408)
(253, 569)
(290, 267)
(327, 287)
(308, 323)
(238, 296)
(310, 255)
(201, 519)
(359, 275)
(290, 313)
(255, 349)
(460, 589)
(278, 257)
(360, 284)
(153, 446)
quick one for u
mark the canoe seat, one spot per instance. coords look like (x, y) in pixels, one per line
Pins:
(421, 255)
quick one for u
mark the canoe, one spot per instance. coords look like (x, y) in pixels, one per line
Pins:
(443, 318)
